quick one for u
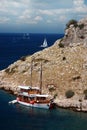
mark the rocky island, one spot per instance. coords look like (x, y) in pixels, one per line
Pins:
(64, 66)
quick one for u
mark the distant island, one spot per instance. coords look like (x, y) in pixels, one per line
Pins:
(64, 66)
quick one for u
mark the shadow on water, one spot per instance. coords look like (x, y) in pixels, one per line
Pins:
(41, 119)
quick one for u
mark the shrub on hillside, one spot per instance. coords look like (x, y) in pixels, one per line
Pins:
(85, 93)
(81, 26)
(61, 45)
(72, 21)
(23, 58)
(76, 77)
(55, 95)
(69, 94)
(51, 87)
(10, 71)
(64, 58)
(7, 70)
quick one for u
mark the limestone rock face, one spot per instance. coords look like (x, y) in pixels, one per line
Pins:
(76, 35)
(63, 69)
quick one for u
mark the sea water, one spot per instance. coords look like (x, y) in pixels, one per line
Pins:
(18, 117)
(15, 45)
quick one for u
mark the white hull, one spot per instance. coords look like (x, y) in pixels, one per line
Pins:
(43, 46)
(38, 105)
(13, 102)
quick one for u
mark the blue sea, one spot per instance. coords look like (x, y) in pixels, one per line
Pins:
(15, 45)
(18, 117)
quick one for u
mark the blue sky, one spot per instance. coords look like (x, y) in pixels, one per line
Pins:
(39, 16)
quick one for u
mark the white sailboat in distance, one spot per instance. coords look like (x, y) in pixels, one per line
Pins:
(44, 43)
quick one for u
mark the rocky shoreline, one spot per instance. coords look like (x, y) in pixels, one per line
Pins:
(62, 103)
(9, 83)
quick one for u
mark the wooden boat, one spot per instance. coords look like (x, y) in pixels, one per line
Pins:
(30, 96)
(33, 97)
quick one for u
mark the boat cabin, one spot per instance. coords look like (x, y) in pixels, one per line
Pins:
(34, 98)
(42, 98)
(29, 90)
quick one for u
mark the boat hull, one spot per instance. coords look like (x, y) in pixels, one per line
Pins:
(37, 105)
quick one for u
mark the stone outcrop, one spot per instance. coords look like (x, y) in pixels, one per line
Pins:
(64, 69)
(75, 35)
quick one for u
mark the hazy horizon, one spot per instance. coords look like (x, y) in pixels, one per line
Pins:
(36, 16)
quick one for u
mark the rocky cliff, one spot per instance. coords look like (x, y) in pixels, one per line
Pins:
(76, 33)
(64, 70)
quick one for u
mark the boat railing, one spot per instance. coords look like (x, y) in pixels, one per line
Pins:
(23, 93)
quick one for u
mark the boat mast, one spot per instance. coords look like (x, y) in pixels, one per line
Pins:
(41, 78)
(31, 70)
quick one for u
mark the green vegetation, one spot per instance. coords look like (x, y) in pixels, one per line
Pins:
(82, 37)
(23, 58)
(85, 92)
(69, 94)
(72, 21)
(61, 45)
(81, 26)
(51, 88)
(55, 95)
(64, 58)
(41, 59)
(10, 71)
(76, 77)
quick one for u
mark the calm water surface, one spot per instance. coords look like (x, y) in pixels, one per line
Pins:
(15, 45)
(17, 117)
